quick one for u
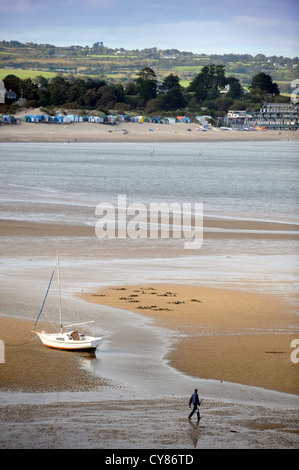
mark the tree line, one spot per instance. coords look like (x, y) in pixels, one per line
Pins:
(210, 92)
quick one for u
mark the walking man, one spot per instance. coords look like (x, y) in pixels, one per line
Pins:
(194, 400)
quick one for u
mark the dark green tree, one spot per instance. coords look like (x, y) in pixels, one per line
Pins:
(13, 83)
(43, 97)
(75, 93)
(29, 90)
(90, 98)
(146, 85)
(208, 83)
(107, 97)
(236, 90)
(171, 94)
(58, 88)
(130, 89)
(262, 83)
(119, 93)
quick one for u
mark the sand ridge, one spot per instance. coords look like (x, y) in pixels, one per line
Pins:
(225, 334)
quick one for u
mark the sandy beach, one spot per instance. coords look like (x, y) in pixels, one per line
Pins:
(209, 326)
(50, 399)
(29, 367)
(222, 334)
(144, 132)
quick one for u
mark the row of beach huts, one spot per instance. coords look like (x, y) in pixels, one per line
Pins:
(7, 119)
(104, 119)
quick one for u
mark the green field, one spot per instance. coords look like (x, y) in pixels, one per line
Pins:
(101, 56)
(193, 68)
(32, 60)
(185, 83)
(26, 73)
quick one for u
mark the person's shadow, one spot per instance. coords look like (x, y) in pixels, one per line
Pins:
(194, 432)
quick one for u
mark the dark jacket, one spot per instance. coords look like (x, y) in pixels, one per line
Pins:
(194, 399)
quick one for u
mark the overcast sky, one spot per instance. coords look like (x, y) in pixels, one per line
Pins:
(269, 27)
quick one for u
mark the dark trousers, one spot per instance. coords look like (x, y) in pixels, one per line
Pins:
(193, 411)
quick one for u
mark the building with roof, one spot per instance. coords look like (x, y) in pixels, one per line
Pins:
(280, 116)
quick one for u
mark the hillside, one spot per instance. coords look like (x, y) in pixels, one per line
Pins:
(121, 66)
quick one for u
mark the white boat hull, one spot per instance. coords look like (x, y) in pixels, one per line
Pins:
(67, 342)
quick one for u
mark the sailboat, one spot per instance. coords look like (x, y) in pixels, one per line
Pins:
(72, 339)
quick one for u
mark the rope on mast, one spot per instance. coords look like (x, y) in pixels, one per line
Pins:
(44, 298)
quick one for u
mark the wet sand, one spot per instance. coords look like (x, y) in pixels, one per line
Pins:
(162, 423)
(233, 229)
(227, 335)
(145, 132)
(31, 367)
(53, 402)
(222, 334)
(210, 324)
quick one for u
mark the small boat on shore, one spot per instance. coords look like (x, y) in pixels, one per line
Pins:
(71, 340)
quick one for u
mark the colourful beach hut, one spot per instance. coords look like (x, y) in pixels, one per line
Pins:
(93, 119)
(112, 119)
(156, 119)
(123, 118)
(38, 118)
(58, 119)
(138, 119)
(7, 119)
(48, 118)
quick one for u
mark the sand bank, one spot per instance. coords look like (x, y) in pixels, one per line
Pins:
(228, 228)
(31, 367)
(222, 334)
(145, 132)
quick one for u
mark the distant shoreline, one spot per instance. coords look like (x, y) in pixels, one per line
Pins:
(134, 132)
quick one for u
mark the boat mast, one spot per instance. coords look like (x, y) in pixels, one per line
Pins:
(59, 289)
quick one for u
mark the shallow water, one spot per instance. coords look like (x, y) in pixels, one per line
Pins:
(246, 180)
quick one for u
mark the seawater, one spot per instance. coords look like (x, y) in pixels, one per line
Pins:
(65, 182)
